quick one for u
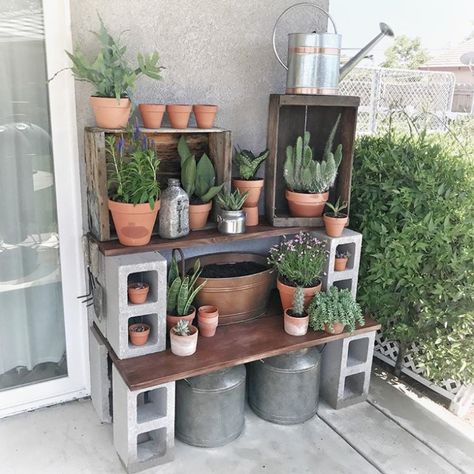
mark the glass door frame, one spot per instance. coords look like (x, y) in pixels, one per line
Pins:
(57, 27)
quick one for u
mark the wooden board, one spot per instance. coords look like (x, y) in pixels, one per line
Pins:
(288, 117)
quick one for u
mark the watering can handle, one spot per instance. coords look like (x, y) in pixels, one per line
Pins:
(306, 4)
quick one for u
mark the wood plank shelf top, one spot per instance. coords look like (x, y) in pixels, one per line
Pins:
(159, 130)
(196, 238)
(232, 345)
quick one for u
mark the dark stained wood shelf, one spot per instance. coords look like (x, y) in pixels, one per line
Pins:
(232, 345)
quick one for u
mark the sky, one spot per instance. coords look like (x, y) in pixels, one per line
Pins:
(438, 23)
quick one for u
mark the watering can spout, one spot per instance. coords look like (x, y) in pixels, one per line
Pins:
(385, 30)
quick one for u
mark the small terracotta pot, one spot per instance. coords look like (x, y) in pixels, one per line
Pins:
(184, 345)
(138, 338)
(334, 225)
(110, 112)
(205, 115)
(251, 216)
(152, 114)
(252, 186)
(208, 318)
(198, 214)
(306, 204)
(340, 264)
(179, 115)
(295, 326)
(133, 223)
(173, 320)
(287, 294)
(338, 328)
(137, 292)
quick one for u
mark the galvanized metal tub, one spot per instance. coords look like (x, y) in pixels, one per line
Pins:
(210, 408)
(285, 389)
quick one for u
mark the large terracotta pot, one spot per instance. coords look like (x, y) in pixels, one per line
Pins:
(139, 338)
(251, 216)
(137, 292)
(252, 186)
(306, 204)
(110, 112)
(340, 264)
(179, 115)
(337, 328)
(133, 222)
(208, 319)
(184, 345)
(205, 115)
(173, 320)
(198, 214)
(287, 294)
(334, 225)
(295, 326)
(152, 114)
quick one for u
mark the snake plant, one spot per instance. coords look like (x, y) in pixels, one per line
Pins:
(248, 163)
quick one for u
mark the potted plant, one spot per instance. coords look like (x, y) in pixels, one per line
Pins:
(198, 181)
(205, 115)
(113, 78)
(342, 257)
(179, 114)
(139, 333)
(335, 221)
(335, 310)
(299, 262)
(138, 292)
(231, 217)
(134, 190)
(308, 181)
(208, 319)
(296, 319)
(183, 338)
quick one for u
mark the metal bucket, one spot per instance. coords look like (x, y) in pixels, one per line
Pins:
(285, 389)
(210, 408)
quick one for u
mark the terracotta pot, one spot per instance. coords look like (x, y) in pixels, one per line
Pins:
(295, 326)
(184, 345)
(340, 264)
(137, 292)
(251, 216)
(138, 338)
(208, 318)
(337, 328)
(110, 112)
(152, 114)
(198, 214)
(133, 223)
(205, 115)
(252, 186)
(306, 204)
(173, 320)
(334, 225)
(287, 294)
(179, 115)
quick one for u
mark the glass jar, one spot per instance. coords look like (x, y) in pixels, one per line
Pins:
(174, 211)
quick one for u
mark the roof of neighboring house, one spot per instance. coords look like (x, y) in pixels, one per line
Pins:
(450, 57)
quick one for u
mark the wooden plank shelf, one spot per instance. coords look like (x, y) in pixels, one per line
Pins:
(232, 345)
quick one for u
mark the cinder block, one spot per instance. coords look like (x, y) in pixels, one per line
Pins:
(149, 267)
(346, 368)
(100, 381)
(143, 424)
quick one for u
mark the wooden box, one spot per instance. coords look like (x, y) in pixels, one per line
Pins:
(289, 116)
(215, 142)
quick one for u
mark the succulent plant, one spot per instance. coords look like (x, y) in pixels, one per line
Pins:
(231, 201)
(182, 328)
(248, 163)
(342, 253)
(337, 208)
(298, 302)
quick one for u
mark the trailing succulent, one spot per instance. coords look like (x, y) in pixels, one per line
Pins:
(198, 179)
(182, 328)
(305, 175)
(248, 163)
(334, 306)
(231, 201)
(297, 309)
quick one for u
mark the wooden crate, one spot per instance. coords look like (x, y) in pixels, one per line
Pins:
(215, 142)
(287, 118)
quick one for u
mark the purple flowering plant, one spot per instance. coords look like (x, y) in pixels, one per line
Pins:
(300, 260)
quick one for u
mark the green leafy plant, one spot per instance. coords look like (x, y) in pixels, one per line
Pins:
(304, 174)
(198, 179)
(109, 72)
(232, 201)
(182, 328)
(334, 306)
(297, 309)
(248, 163)
(132, 169)
(337, 208)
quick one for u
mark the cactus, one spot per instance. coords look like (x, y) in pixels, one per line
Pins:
(298, 302)
(232, 201)
(182, 328)
(248, 163)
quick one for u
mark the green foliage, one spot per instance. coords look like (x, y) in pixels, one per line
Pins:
(109, 72)
(342, 253)
(198, 179)
(182, 328)
(413, 201)
(405, 53)
(334, 306)
(232, 201)
(248, 163)
(337, 208)
(298, 302)
(132, 170)
(305, 175)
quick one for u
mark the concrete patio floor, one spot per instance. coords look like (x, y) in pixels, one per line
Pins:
(395, 431)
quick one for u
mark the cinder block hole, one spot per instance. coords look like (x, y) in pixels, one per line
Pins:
(151, 405)
(351, 248)
(152, 321)
(354, 385)
(151, 444)
(357, 351)
(150, 277)
(344, 284)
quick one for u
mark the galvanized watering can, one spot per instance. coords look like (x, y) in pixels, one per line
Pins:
(314, 58)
